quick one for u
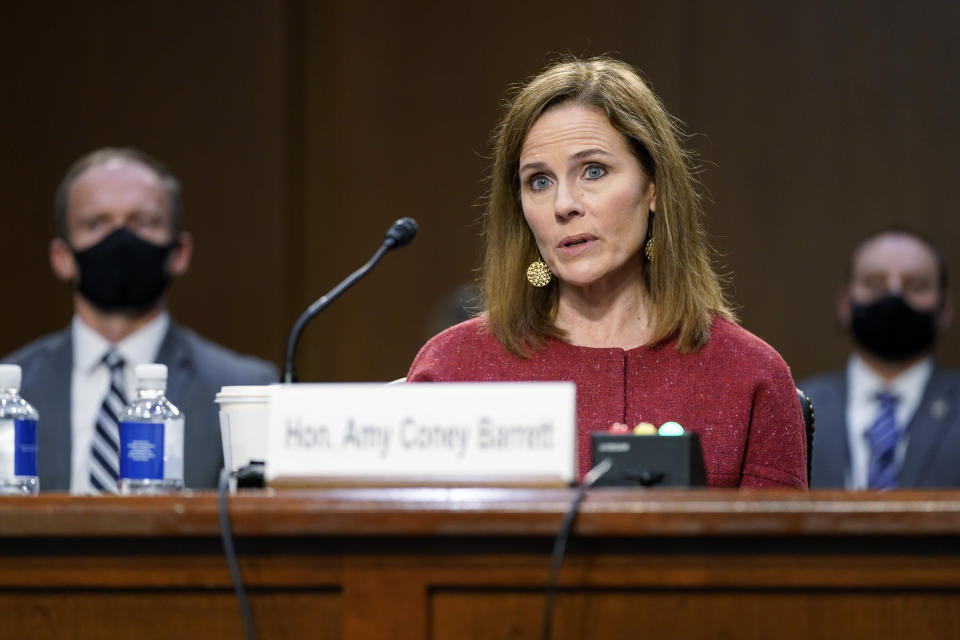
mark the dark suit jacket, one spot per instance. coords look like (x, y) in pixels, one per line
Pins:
(933, 449)
(196, 369)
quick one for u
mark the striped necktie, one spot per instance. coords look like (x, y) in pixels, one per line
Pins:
(882, 436)
(105, 449)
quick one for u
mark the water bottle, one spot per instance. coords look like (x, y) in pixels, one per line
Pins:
(18, 437)
(151, 437)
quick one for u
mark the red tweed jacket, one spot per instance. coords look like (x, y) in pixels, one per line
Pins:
(736, 392)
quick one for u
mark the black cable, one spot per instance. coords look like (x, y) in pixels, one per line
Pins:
(560, 542)
(231, 554)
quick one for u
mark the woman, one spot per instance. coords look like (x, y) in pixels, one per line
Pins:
(597, 270)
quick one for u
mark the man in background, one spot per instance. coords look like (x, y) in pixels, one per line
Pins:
(892, 418)
(118, 215)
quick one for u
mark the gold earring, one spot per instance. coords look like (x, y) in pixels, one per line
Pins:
(539, 274)
(650, 250)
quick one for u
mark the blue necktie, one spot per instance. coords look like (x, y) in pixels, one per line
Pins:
(105, 451)
(882, 436)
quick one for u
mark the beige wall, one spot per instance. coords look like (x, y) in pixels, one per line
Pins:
(302, 129)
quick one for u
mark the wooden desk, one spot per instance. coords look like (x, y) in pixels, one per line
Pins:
(471, 563)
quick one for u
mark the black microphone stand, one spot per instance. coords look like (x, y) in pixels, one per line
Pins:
(398, 235)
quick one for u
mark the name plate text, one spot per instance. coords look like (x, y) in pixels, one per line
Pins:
(442, 431)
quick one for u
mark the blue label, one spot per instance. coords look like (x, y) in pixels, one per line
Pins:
(25, 448)
(141, 450)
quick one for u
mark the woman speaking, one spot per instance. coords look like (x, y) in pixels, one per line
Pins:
(596, 269)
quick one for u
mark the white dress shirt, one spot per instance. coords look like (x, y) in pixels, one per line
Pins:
(863, 407)
(91, 380)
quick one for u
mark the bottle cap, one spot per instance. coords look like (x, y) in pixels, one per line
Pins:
(10, 376)
(152, 373)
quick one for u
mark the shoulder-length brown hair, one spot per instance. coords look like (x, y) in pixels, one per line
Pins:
(683, 289)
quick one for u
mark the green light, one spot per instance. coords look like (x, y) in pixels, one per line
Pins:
(671, 429)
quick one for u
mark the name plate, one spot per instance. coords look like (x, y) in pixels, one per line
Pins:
(440, 432)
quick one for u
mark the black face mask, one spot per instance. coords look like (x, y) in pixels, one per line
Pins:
(123, 272)
(892, 330)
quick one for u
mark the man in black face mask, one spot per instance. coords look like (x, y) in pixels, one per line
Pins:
(892, 419)
(118, 214)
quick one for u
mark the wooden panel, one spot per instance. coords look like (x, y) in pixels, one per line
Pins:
(186, 614)
(206, 87)
(302, 129)
(472, 563)
(670, 613)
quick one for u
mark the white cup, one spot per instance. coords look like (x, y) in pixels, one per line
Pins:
(244, 412)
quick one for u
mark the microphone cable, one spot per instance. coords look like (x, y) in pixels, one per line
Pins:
(560, 542)
(556, 560)
(226, 536)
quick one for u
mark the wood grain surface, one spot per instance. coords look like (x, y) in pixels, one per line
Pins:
(490, 511)
(472, 563)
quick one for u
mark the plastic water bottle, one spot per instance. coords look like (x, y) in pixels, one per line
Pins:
(18, 437)
(151, 437)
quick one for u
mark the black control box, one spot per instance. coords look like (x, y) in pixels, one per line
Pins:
(649, 460)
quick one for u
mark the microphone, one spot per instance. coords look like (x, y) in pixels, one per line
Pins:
(400, 234)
